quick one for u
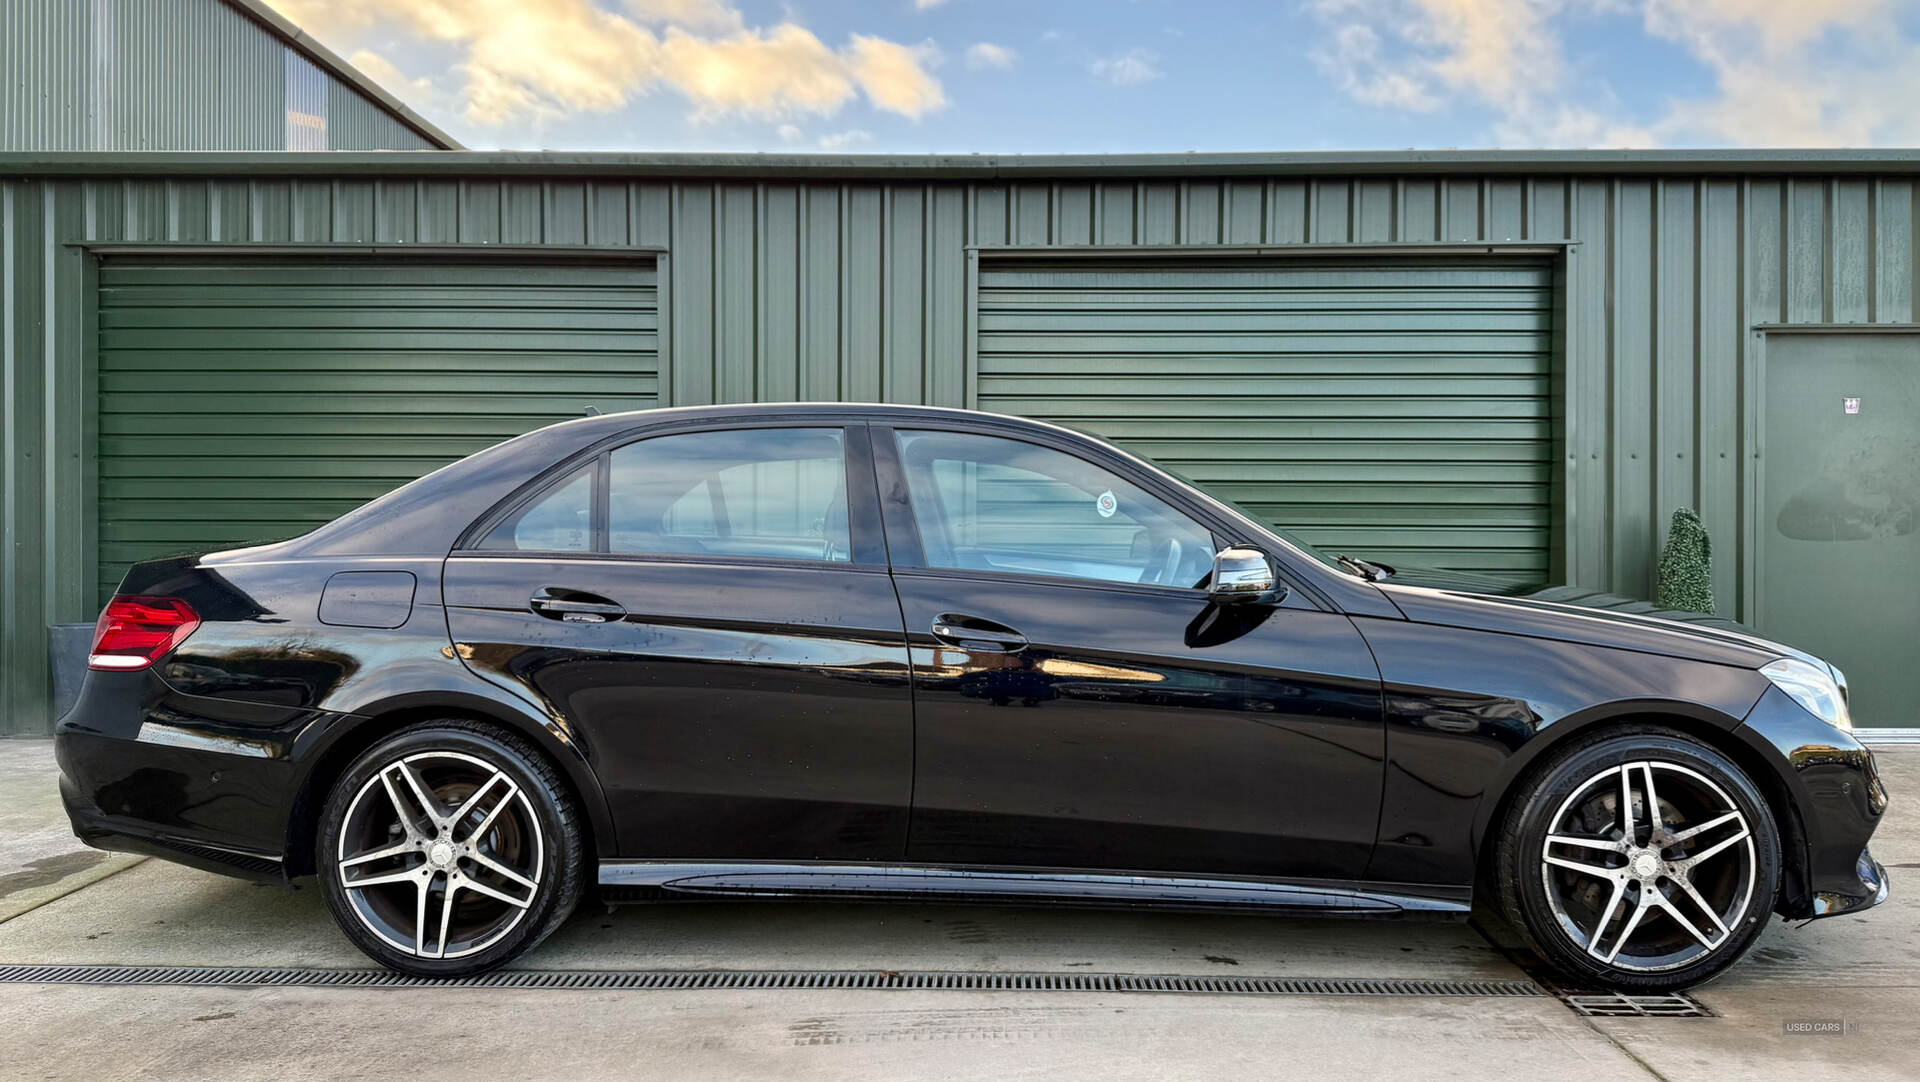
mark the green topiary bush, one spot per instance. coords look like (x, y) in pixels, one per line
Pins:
(1686, 566)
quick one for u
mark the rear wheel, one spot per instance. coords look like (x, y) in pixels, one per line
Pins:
(1642, 860)
(448, 849)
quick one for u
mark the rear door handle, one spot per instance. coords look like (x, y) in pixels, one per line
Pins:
(574, 606)
(977, 634)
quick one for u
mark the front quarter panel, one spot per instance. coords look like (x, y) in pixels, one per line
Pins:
(1834, 790)
(1468, 710)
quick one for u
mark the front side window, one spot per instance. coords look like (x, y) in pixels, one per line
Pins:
(771, 492)
(987, 503)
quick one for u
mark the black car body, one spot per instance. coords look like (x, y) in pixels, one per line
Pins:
(870, 719)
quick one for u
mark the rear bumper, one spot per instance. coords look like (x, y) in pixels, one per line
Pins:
(103, 831)
(1836, 800)
(146, 770)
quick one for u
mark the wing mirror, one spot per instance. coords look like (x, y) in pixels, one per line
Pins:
(1243, 576)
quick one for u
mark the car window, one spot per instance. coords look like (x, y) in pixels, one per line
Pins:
(987, 503)
(773, 492)
(561, 520)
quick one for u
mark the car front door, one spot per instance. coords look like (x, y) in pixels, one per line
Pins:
(709, 611)
(1078, 701)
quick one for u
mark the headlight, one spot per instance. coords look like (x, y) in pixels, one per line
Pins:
(1811, 687)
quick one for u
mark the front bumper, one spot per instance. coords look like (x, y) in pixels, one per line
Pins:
(1871, 888)
(1835, 800)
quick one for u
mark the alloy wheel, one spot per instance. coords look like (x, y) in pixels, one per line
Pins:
(440, 854)
(1649, 866)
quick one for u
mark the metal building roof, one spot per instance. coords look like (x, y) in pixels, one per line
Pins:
(972, 166)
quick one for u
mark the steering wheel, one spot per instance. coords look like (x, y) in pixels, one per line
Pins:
(1165, 562)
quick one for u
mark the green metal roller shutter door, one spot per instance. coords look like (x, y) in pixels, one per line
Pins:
(1392, 409)
(253, 400)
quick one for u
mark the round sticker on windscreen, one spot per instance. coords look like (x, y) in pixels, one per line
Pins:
(1106, 504)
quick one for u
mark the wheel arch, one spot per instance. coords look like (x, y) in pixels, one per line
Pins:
(346, 741)
(1711, 727)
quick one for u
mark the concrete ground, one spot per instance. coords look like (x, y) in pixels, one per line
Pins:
(62, 903)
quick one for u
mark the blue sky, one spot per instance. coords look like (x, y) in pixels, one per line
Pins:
(1139, 75)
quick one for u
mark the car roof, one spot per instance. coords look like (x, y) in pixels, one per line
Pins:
(600, 426)
(426, 515)
(613, 422)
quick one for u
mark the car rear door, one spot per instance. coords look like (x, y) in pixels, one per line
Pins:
(1080, 704)
(708, 610)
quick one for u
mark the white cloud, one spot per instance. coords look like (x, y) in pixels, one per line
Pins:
(895, 76)
(1807, 73)
(840, 140)
(421, 94)
(1567, 125)
(926, 5)
(1787, 72)
(1776, 26)
(985, 54)
(1352, 59)
(1414, 54)
(1131, 68)
(790, 133)
(547, 58)
(710, 15)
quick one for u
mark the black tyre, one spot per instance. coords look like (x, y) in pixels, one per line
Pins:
(449, 848)
(1660, 898)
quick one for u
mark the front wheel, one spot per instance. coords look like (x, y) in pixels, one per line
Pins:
(448, 849)
(1642, 860)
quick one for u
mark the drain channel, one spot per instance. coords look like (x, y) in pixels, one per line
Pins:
(693, 980)
(1613, 1005)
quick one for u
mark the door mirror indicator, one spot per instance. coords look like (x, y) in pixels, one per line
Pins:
(1243, 576)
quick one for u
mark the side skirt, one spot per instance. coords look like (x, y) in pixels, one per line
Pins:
(647, 880)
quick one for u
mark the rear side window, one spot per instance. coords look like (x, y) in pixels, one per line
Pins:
(774, 492)
(560, 520)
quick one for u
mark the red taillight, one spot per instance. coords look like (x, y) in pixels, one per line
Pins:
(134, 632)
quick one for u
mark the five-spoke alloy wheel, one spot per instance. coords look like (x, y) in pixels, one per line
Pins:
(449, 848)
(1643, 859)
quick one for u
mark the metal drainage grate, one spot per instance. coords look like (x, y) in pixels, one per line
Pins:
(1623, 1006)
(689, 980)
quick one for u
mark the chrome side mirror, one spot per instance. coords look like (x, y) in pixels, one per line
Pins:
(1242, 576)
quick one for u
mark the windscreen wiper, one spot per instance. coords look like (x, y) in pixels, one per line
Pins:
(1366, 569)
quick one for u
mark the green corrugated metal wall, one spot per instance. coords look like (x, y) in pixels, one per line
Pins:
(161, 75)
(245, 401)
(1397, 410)
(780, 288)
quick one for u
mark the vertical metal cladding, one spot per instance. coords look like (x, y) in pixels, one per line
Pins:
(794, 289)
(306, 98)
(161, 75)
(46, 75)
(355, 123)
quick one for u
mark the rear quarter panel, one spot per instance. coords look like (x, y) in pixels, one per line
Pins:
(289, 698)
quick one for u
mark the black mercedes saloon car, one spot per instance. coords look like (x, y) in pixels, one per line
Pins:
(873, 651)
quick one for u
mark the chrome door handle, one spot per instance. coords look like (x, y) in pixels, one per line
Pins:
(574, 606)
(976, 634)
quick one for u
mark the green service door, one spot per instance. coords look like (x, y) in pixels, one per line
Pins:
(1394, 408)
(1840, 527)
(246, 400)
